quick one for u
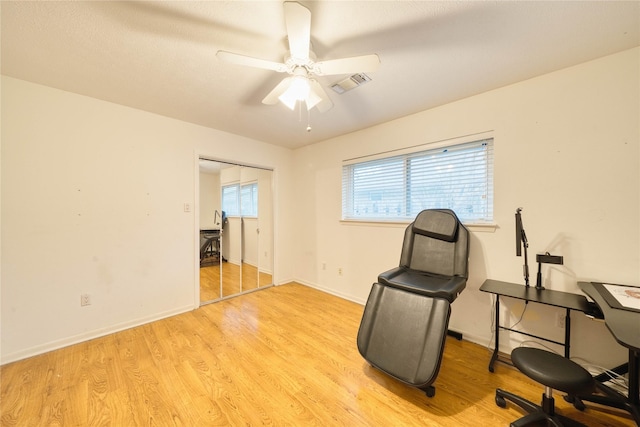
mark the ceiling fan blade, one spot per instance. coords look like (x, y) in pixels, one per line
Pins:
(355, 64)
(249, 61)
(298, 22)
(325, 104)
(272, 97)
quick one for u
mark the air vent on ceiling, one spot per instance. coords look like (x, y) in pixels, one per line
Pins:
(350, 83)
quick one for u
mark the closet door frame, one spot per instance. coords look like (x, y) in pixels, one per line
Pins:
(267, 248)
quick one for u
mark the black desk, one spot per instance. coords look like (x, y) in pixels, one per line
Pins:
(624, 325)
(564, 300)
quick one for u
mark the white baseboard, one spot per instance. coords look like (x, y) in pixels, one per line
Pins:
(332, 292)
(476, 339)
(89, 335)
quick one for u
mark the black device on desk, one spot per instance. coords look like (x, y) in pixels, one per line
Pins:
(546, 258)
(624, 325)
(522, 242)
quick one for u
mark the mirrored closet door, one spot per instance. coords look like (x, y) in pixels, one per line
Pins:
(236, 229)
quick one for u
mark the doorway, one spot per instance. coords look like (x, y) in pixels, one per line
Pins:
(235, 229)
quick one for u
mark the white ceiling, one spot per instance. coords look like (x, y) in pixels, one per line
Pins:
(160, 56)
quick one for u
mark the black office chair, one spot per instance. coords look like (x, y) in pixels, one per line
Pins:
(555, 373)
(434, 258)
(209, 247)
(405, 320)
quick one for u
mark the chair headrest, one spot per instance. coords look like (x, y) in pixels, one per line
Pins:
(441, 224)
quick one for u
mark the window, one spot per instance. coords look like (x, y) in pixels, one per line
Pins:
(231, 200)
(240, 200)
(249, 200)
(457, 177)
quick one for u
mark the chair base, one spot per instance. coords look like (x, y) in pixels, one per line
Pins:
(609, 397)
(536, 413)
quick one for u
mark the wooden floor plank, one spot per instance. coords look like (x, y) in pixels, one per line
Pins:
(283, 356)
(234, 280)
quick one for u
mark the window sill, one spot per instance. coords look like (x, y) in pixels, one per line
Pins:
(475, 227)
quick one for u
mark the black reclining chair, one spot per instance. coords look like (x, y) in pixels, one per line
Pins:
(434, 256)
(405, 320)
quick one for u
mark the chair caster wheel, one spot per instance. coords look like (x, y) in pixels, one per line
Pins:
(430, 391)
(501, 402)
(576, 402)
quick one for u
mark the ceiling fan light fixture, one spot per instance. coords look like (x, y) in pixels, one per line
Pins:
(313, 99)
(299, 90)
(300, 63)
(289, 101)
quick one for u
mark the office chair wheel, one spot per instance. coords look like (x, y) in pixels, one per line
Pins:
(575, 401)
(501, 402)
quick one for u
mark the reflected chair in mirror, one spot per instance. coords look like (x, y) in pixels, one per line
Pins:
(209, 247)
(405, 320)
(210, 241)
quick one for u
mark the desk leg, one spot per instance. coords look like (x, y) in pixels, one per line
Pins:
(634, 381)
(567, 333)
(494, 356)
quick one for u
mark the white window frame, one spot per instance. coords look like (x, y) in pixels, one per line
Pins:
(466, 186)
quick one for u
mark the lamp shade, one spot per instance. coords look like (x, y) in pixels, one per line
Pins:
(299, 90)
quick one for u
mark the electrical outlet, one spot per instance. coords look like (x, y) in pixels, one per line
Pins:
(560, 320)
(85, 299)
(339, 271)
(324, 265)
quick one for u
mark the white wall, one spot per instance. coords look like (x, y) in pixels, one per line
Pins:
(93, 198)
(566, 150)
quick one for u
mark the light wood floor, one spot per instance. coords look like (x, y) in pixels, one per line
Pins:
(283, 356)
(210, 280)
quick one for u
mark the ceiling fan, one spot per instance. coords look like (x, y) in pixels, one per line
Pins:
(300, 63)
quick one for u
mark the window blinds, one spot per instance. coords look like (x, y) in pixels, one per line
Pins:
(457, 177)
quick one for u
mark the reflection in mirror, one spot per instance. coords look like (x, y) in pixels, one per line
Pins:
(249, 230)
(240, 258)
(265, 228)
(211, 230)
(232, 235)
